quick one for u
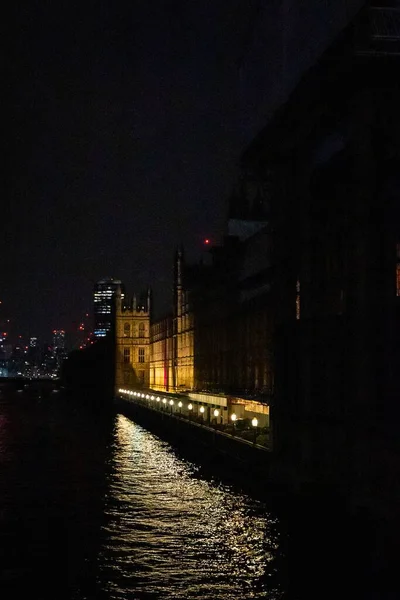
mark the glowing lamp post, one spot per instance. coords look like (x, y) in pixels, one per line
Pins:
(233, 419)
(254, 423)
(216, 415)
(180, 407)
(171, 403)
(202, 411)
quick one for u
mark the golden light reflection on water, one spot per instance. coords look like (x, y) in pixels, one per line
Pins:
(173, 535)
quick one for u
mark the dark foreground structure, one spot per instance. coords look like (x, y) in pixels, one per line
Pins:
(331, 162)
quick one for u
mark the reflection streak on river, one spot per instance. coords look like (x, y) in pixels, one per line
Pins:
(171, 535)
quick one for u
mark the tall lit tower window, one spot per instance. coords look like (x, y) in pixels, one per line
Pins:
(104, 304)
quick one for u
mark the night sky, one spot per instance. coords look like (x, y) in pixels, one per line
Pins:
(126, 122)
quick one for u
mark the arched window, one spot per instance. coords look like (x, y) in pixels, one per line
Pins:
(127, 330)
(141, 330)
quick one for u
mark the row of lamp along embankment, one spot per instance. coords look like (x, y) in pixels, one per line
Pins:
(246, 419)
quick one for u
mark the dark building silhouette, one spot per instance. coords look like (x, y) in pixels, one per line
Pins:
(332, 159)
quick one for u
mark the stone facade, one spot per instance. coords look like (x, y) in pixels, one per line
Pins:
(132, 330)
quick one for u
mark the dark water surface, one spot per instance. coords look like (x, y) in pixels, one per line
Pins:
(94, 506)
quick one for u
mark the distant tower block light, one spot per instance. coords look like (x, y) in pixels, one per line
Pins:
(207, 241)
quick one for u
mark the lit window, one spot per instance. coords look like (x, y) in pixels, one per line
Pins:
(127, 355)
(141, 330)
(127, 330)
(141, 355)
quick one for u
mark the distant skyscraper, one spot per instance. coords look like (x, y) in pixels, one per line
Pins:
(104, 305)
(58, 339)
(33, 342)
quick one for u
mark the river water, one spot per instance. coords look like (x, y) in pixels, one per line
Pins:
(92, 505)
(95, 506)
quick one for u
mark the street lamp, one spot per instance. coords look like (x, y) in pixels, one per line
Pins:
(233, 419)
(171, 403)
(216, 414)
(190, 408)
(180, 407)
(254, 422)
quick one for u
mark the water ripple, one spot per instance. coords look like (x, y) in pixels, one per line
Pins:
(171, 535)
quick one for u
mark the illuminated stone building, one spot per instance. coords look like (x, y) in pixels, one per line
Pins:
(219, 337)
(172, 338)
(132, 331)
(162, 355)
(331, 159)
(183, 326)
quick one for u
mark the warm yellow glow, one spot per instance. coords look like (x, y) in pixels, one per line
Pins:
(201, 409)
(164, 401)
(254, 422)
(216, 412)
(158, 399)
(180, 404)
(171, 402)
(233, 417)
(190, 406)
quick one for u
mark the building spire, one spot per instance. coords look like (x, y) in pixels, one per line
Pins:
(149, 303)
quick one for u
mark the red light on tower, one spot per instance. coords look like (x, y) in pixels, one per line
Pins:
(206, 242)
